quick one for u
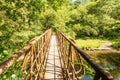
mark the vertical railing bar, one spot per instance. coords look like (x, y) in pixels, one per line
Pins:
(31, 62)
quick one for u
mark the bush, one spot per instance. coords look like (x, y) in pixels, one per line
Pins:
(116, 45)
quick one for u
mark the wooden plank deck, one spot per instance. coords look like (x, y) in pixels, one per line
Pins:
(53, 66)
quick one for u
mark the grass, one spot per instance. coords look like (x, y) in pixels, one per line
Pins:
(90, 43)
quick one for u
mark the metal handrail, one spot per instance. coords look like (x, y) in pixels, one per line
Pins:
(70, 52)
(34, 57)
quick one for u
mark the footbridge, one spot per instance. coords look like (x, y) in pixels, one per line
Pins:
(55, 57)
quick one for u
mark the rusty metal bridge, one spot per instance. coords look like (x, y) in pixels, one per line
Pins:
(54, 57)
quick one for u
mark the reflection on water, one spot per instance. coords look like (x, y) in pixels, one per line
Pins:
(109, 60)
(87, 77)
(113, 69)
(90, 77)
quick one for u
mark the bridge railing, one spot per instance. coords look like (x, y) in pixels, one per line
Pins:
(33, 57)
(74, 60)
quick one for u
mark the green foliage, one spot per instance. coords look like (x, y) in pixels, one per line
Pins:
(88, 69)
(4, 55)
(20, 20)
(116, 44)
(56, 4)
(13, 73)
(47, 18)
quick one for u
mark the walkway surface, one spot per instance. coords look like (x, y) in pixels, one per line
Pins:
(53, 67)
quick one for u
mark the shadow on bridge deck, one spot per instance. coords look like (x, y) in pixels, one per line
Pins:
(53, 66)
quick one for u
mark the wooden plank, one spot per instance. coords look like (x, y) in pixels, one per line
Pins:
(53, 67)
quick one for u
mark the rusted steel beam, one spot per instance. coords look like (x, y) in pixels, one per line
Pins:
(105, 75)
